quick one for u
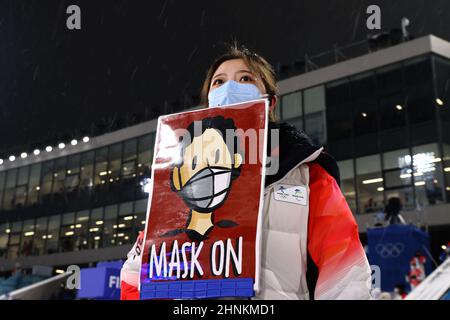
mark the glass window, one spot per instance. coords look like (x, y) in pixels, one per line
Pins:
(315, 127)
(389, 78)
(110, 226)
(315, 122)
(16, 227)
(442, 70)
(95, 228)
(145, 155)
(129, 159)
(13, 246)
(428, 174)
(339, 119)
(10, 189)
(446, 163)
(291, 105)
(396, 159)
(125, 231)
(53, 234)
(140, 209)
(130, 150)
(366, 117)
(417, 71)
(72, 173)
(26, 246)
(20, 196)
(115, 161)
(34, 184)
(40, 236)
(87, 170)
(14, 240)
(59, 175)
(47, 179)
(23, 175)
(348, 183)
(2, 185)
(315, 99)
(22, 186)
(101, 166)
(67, 232)
(397, 169)
(421, 104)
(370, 184)
(392, 111)
(363, 86)
(338, 92)
(81, 230)
(4, 236)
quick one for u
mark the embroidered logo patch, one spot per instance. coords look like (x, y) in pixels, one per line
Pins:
(292, 194)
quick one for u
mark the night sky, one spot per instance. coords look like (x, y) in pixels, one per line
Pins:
(131, 56)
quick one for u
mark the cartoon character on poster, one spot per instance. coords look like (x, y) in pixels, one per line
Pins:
(201, 237)
(203, 176)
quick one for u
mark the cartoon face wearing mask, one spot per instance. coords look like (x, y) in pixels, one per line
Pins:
(204, 172)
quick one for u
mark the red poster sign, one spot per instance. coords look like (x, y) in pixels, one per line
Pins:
(202, 230)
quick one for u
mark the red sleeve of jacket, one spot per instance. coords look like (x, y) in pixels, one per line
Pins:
(129, 275)
(128, 292)
(333, 241)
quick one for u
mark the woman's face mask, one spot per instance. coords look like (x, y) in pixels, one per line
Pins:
(233, 92)
(207, 189)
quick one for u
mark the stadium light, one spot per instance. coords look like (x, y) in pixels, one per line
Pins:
(23, 155)
(48, 149)
(399, 107)
(439, 102)
(61, 145)
(1, 161)
(11, 158)
(376, 180)
(74, 142)
(36, 152)
(85, 139)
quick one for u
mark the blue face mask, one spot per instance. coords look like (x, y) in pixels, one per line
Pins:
(233, 92)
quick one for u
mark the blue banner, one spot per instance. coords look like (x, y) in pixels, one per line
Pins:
(101, 283)
(392, 248)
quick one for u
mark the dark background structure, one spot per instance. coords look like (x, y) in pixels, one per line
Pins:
(134, 60)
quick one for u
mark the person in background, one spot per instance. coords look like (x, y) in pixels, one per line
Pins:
(393, 209)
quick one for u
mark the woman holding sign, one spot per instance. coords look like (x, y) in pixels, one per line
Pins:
(310, 247)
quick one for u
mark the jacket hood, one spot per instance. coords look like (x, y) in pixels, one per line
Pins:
(294, 147)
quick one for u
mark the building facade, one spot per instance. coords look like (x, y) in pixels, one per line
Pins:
(385, 116)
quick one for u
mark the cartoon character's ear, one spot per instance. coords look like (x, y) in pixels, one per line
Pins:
(176, 183)
(237, 160)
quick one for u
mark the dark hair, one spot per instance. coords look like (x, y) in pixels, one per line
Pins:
(394, 206)
(218, 123)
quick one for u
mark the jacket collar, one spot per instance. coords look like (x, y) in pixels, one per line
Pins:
(295, 148)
